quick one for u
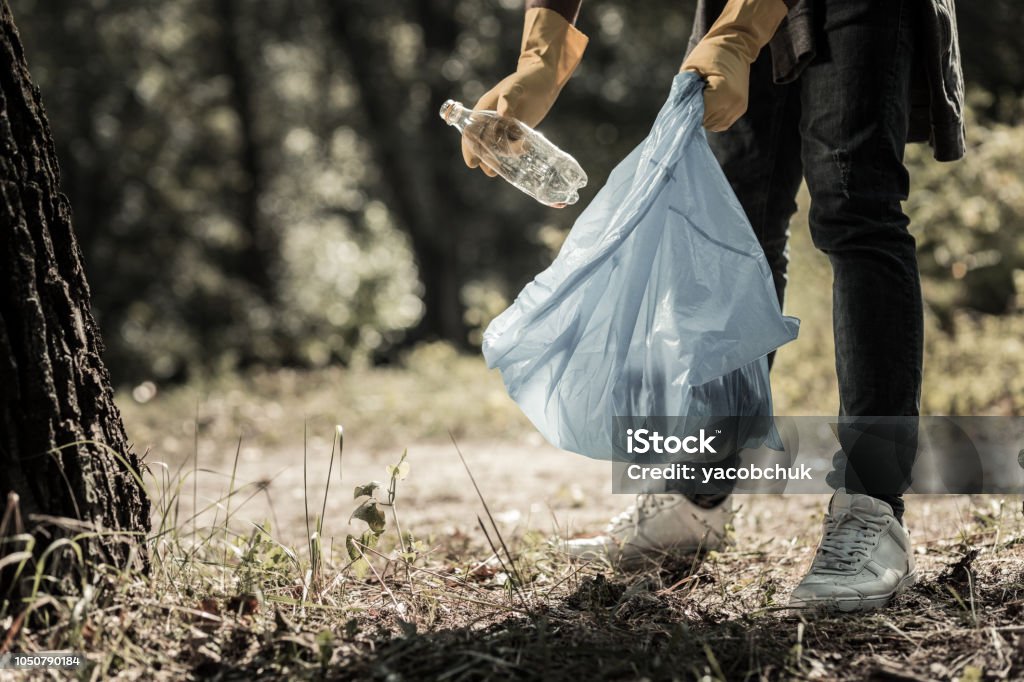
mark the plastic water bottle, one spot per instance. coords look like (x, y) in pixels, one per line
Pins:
(519, 154)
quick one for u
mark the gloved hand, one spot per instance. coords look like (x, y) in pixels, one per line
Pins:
(551, 50)
(723, 57)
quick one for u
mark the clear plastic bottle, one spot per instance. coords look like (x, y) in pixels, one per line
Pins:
(519, 154)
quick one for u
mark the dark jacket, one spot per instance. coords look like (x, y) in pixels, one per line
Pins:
(937, 107)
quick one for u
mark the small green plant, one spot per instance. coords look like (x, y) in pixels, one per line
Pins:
(371, 512)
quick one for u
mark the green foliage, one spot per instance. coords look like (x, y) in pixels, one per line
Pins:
(968, 217)
(223, 199)
(367, 490)
(370, 512)
(269, 183)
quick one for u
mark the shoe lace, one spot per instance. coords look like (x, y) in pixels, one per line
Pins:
(848, 539)
(646, 505)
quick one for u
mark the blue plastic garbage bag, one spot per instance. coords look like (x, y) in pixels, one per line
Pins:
(660, 302)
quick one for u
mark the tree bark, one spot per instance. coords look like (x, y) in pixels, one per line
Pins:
(64, 454)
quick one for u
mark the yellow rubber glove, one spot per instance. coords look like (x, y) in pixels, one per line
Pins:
(551, 50)
(723, 57)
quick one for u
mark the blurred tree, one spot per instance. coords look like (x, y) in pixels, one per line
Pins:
(65, 462)
(993, 54)
(969, 217)
(476, 240)
(257, 258)
(240, 173)
(218, 185)
(407, 143)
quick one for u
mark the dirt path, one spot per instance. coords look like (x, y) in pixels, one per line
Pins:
(724, 621)
(531, 486)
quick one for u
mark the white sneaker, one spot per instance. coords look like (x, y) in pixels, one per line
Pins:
(655, 528)
(863, 561)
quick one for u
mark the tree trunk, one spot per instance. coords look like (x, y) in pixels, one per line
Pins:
(64, 456)
(408, 160)
(257, 260)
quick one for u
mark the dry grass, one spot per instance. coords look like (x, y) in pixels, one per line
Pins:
(232, 597)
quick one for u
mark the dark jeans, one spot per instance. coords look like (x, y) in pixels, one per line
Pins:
(842, 126)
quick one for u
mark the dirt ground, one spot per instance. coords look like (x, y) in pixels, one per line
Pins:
(724, 620)
(443, 607)
(529, 486)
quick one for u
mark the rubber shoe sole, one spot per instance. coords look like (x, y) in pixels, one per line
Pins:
(853, 604)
